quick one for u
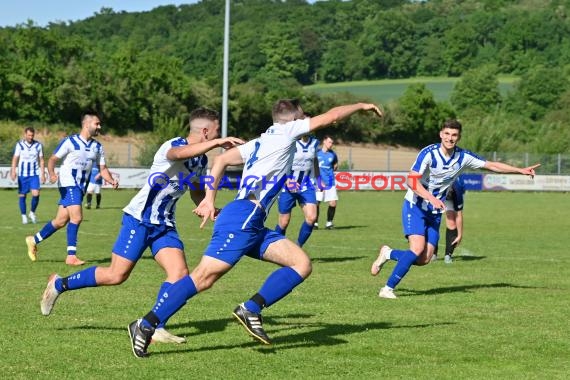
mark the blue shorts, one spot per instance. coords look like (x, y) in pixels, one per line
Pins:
(416, 221)
(288, 199)
(70, 196)
(239, 231)
(135, 237)
(25, 184)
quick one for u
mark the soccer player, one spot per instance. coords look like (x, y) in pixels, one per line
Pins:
(301, 188)
(429, 179)
(95, 183)
(328, 163)
(149, 218)
(239, 229)
(28, 165)
(79, 153)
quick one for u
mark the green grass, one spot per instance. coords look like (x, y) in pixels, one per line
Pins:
(499, 311)
(387, 90)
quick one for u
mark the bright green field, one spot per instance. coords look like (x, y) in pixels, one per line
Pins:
(500, 311)
(383, 91)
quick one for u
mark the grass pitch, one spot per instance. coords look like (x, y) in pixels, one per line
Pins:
(499, 311)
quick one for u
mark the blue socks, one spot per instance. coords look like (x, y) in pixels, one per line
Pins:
(276, 286)
(45, 232)
(172, 299)
(165, 285)
(405, 261)
(78, 280)
(35, 202)
(304, 233)
(22, 205)
(72, 229)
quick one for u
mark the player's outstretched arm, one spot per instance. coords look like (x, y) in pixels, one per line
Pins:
(341, 112)
(500, 167)
(193, 150)
(206, 209)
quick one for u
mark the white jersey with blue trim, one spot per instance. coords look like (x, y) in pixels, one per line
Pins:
(303, 163)
(168, 180)
(80, 156)
(29, 154)
(438, 172)
(267, 161)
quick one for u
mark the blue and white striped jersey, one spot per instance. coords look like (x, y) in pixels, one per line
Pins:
(29, 155)
(267, 161)
(438, 172)
(80, 156)
(303, 163)
(168, 180)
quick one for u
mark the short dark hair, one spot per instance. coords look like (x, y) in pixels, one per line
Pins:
(29, 129)
(204, 113)
(451, 124)
(285, 108)
(89, 113)
(326, 137)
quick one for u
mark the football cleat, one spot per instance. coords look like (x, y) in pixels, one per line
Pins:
(140, 338)
(387, 292)
(383, 256)
(161, 335)
(33, 217)
(24, 219)
(329, 226)
(447, 259)
(32, 248)
(252, 322)
(50, 295)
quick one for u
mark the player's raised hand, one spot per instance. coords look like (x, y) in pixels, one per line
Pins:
(230, 142)
(530, 170)
(374, 108)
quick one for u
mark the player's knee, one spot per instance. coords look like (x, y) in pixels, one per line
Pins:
(303, 266)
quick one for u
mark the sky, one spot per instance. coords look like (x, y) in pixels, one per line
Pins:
(13, 12)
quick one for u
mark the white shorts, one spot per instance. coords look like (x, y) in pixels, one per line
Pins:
(327, 195)
(93, 188)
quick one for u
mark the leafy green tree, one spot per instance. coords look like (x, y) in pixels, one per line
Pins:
(477, 88)
(537, 91)
(417, 117)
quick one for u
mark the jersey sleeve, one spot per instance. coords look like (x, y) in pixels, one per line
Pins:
(63, 148)
(40, 150)
(101, 156)
(17, 149)
(298, 128)
(473, 161)
(246, 150)
(423, 160)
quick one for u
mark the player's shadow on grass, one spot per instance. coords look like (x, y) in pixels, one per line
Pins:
(341, 228)
(460, 289)
(315, 334)
(336, 259)
(469, 258)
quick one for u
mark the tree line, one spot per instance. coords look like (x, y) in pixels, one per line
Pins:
(146, 71)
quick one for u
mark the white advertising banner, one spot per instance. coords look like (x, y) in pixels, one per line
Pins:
(498, 182)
